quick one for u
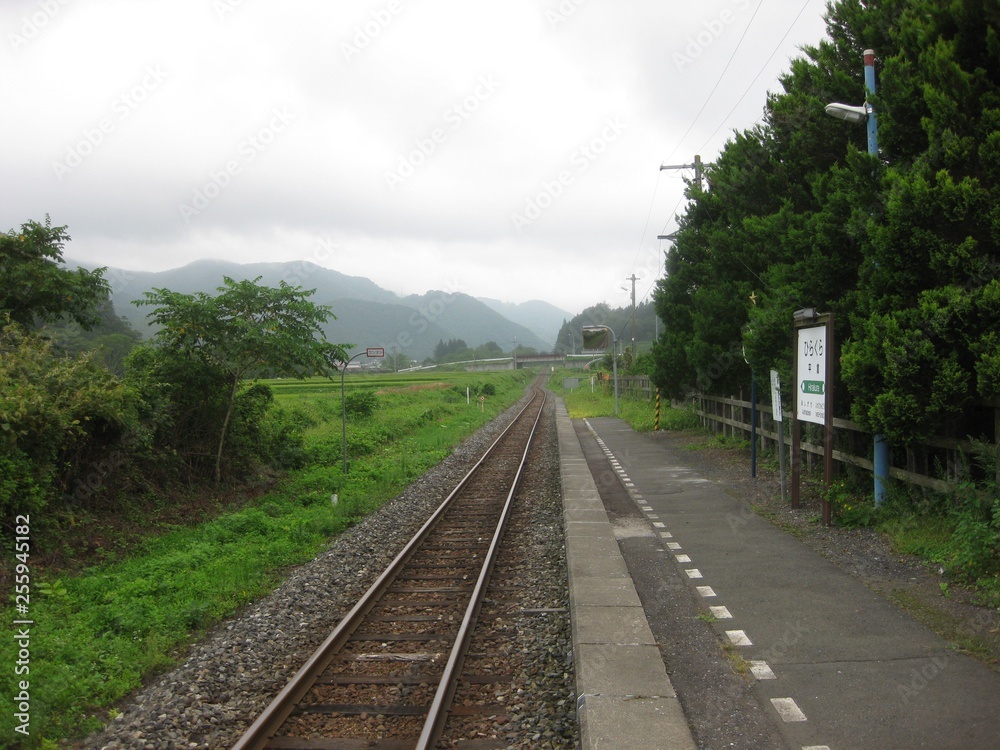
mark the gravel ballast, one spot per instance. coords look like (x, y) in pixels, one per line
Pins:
(228, 678)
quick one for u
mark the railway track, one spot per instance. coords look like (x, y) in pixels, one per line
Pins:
(386, 676)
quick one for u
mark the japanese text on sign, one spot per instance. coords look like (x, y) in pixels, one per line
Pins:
(811, 390)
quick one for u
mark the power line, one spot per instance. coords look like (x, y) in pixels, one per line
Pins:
(697, 164)
(746, 91)
(649, 215)
(721, 76)
(759, 72)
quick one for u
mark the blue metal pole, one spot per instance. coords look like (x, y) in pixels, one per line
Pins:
(881, 468)
(870, 91)
(881, 446)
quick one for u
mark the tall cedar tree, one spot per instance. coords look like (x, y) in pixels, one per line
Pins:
(902, 246)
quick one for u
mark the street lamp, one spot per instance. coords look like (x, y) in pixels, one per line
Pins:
(848, 112)
(853, 114)
(864, 113)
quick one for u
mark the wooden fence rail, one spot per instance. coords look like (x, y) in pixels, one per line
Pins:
(636, 386)
(937, 464)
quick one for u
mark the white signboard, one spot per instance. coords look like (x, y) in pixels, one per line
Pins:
(811, 390)
(775, 396)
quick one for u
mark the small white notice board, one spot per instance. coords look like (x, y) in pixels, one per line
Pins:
(775, 396)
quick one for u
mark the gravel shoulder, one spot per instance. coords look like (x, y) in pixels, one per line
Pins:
(225, 680)
(906, 580)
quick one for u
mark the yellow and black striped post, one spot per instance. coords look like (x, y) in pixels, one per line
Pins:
(656, 421)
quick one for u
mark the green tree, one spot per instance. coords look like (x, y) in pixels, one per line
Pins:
(36, 287)
(491, 349)
(924, 344)
(453, 348)
(59, 418)
(110, 339)
(902, 246)
(248, 331)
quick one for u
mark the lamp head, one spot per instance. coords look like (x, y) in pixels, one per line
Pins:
(847, 112)
(804, 315)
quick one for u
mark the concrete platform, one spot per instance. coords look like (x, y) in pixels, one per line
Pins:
(624, 697)
(835, 665)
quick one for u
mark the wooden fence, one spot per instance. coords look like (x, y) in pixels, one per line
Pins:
(937, 464)
(636, 386)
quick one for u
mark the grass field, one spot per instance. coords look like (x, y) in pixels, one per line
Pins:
(99, 634)
(597, 400)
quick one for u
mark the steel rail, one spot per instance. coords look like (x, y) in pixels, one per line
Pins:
(284, 703)
(438, 712)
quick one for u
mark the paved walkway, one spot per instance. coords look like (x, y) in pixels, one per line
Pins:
(834, 664)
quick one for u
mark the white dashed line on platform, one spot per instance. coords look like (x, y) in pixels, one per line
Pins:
(694, 573)
(787, 709)
(659, 525)
(666, 535)
(720, 613)
(682, 558)
(673, 545)
(706, 591)
(738, 638)
(761, 670)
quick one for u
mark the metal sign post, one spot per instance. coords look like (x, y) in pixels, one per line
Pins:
(780, 427)
(374, 353)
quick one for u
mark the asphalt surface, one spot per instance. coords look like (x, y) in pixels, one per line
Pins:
(766, 642)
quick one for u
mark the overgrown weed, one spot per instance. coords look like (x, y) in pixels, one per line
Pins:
(106, 629)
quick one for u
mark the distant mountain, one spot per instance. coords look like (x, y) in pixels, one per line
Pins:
(543, 319)
(206, 276)
(367, 315)
(471, 320)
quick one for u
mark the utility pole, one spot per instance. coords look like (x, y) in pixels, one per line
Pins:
(633, 278)
(697, 167)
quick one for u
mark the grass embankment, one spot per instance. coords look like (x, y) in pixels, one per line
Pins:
(100, 632)
(597, 400)
(958, 531)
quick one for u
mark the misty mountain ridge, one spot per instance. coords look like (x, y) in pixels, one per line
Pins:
(366, 314)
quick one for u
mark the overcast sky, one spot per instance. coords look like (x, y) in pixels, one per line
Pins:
(502, 149)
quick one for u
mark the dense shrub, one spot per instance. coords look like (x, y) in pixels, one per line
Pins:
(361, 403)
(60, 420)
(184, 407)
